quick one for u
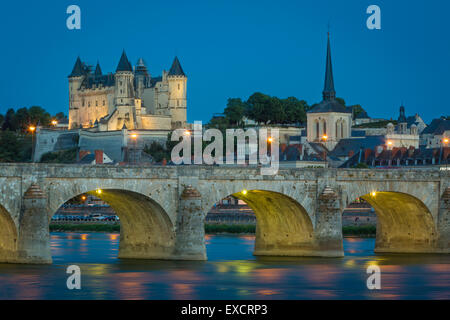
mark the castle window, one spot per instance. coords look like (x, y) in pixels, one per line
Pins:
(178, 103)
(83, 103)
(89, 104)
(96, 103)
(324, 128)
(178, 86)
(121, 91)
(103, 102)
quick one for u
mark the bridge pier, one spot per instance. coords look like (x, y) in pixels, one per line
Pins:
(34, 235)
(444, 223)
(328, 230)
(190, 230)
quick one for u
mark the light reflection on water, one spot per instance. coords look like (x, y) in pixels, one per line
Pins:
(231, 272)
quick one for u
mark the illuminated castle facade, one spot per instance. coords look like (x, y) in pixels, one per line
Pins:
(130, 98)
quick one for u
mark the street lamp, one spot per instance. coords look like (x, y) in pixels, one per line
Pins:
(444, 141)
(54, 123)
(134, 136)
(32, 129)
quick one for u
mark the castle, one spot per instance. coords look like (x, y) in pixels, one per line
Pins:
(130, 98)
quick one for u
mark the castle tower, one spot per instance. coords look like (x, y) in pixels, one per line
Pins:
(142, 78)
(124, 83)
(177, 94)
(75, 80)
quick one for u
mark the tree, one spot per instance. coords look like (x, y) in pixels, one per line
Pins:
(14, 147)
(357, 110)
(258, 107)
(294, 110)
(2, 118)
(9, 121)
(235, 111)
(60, 116)
(39, 115)
(341, 101)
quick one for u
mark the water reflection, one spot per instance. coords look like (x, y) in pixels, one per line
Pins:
(232, 272)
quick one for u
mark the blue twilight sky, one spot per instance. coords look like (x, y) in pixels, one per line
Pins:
(234, 48)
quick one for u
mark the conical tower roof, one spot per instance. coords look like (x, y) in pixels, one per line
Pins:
(78, 69)
(176, 69)
(124, 63)
(98, 70)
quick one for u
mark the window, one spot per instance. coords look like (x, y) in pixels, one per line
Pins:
(342, 129)
(96, 103)
(178, 103)
(324, 127)
(317, 130)
(178, 86)
(103, 102)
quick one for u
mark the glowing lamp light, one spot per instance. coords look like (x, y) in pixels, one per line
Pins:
(389, 143)
(32, 128)
(98, 191)
(373, 193)
(83, 198)
(325, 137)
(270, 139)
(54, 122)
(187, 133)
(446, 140)
(134, 136)
(244, 192)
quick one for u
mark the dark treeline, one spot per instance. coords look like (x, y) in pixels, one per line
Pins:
(264, 109)
(15, 137)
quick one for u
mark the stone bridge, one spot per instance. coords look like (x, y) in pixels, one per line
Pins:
(162, 209)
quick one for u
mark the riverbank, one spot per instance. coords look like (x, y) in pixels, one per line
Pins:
(360, 231)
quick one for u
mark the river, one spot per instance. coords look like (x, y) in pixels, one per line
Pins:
(231, 272)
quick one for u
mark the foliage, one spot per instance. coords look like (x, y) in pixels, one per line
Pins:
(359, 230)
(21, 119)
(157, 151)
(63, 156)
(378, 124)
(15, 147)
(235, 111)
(361, 165)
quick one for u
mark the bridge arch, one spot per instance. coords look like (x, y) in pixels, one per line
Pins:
(284, 226)
(8, 236)
(404, 222)
(147, 231)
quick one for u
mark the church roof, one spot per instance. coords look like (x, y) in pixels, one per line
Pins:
(176, 69)
(124, 63)
(437, 127)
(78, 69)
(329, 106)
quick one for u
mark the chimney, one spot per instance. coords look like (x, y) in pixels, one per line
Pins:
(82, 154)
(367, 153)
(164, 161)
(351, 153)
(98, 156)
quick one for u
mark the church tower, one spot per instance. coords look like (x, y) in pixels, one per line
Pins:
(177, 94)
(329, 121)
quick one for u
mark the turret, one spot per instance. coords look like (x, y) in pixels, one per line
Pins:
(124, 82)
(142, 78)
(77, 76)
(177, 94)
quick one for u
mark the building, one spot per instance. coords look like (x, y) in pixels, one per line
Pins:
(130, 97)
(329, 121)
(404, 135)
(437, 134)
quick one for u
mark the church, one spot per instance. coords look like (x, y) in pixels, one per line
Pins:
(130, 98)
(329, 121)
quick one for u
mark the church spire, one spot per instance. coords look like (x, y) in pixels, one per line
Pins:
(98, 70)
(328, 91)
